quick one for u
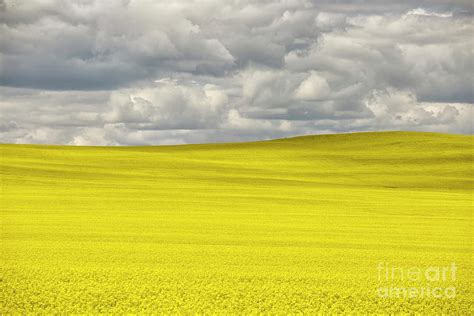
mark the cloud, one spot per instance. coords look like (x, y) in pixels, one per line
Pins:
(124, 72)
(168, 105)
(69, 45)
(423, 12)
(314, 87)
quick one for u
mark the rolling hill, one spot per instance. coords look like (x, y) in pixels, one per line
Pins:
(291, 225)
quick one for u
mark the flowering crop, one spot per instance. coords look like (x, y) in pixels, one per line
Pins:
(305, 225)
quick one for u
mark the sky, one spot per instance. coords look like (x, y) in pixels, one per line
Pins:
(129, 72)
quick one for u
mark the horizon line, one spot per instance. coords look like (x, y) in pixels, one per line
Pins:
(238, 142)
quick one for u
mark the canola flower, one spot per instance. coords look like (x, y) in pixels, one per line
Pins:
(294, 226)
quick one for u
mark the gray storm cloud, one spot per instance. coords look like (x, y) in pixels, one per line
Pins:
(130, 72)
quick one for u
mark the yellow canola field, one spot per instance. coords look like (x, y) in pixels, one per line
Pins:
(315, 224)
